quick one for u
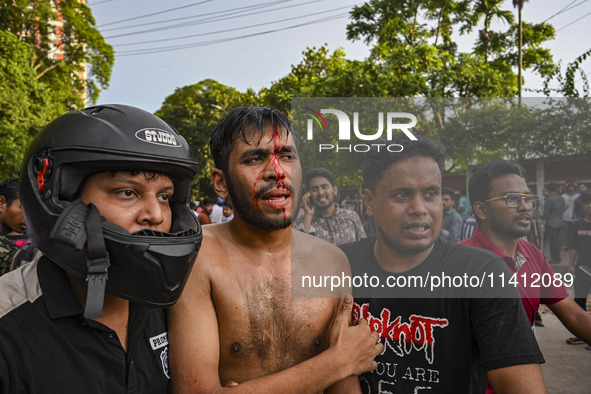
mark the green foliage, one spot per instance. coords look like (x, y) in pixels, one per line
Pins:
(26, 104)
(195, 111)
(72, 57)
(566, 83)
(313, 76)
(36, 86)
(414, 55)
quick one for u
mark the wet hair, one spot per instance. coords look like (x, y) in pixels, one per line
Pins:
(448, 191)
(9, 189)
(319, 172)
(377, 162)
(235, 126)
(479, 186)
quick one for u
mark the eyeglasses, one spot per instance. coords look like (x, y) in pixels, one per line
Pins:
(513, 200)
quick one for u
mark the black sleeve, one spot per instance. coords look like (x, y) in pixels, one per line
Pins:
(503, 333)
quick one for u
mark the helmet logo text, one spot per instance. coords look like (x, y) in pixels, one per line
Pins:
(158, 137)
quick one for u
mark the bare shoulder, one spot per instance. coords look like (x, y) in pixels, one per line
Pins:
(210, 258)
(314, 258)
(215, 239)
(315, 249)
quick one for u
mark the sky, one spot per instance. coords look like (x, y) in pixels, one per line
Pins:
(163, 45)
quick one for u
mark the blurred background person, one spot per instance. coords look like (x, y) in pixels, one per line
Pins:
(12, 223)
(228, 211)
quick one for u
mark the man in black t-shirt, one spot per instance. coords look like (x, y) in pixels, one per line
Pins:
(449, 339)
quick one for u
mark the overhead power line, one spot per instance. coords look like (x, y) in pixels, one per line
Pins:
(223, 40)
(155, 13)
(100, 2)
(266, 23)
(564, 9)
(576, 20)
(214, 15)
(231, 14)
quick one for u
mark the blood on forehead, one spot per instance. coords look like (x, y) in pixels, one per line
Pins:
(278, 144)
(254, 135)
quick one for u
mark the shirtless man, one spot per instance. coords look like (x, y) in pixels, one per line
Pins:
(237, 323)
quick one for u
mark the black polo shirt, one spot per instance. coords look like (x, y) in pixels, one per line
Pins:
(47, 346)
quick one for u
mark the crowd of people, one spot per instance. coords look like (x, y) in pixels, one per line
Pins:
(137, 288)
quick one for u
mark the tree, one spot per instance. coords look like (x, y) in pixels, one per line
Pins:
(414, 55)
(489, 10)
(71, 57)
(566, 83)
(519, 5)
(311, 77)
(26, 104)
(407, 50)
(195, 110)
(37, 83)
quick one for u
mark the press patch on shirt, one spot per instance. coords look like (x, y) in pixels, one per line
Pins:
(159, 341)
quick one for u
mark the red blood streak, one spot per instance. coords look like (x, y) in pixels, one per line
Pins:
(277, 144)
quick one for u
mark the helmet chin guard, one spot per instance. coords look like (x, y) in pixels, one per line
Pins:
(147, 267)
(97, 265)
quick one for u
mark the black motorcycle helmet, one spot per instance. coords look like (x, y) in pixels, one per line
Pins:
(147, 267)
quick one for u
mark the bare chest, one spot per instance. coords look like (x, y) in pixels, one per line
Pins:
(264, 330)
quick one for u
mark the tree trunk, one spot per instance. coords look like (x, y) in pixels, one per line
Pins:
(520, 54)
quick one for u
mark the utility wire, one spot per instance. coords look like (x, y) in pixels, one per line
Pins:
(266, 23)
(230, 15)
(223, 40)
(216, 14)
(576, 20)
(100, 2)
(566, 8)
(155, 13)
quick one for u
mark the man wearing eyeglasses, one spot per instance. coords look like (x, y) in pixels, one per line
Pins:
(503, 208)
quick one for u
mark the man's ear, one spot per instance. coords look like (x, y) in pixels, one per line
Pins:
(480, 210)
(218, 179)
(368, 197)
(2, 204)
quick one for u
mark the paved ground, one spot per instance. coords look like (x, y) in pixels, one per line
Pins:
(568, 367)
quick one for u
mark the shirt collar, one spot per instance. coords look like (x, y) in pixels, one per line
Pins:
(521, 255)
(58, 295)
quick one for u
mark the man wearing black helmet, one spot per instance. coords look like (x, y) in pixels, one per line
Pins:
(104, 191)
(238, 323)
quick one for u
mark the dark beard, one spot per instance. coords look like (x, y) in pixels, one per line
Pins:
(517, 234)
(322, 208)
(254, 217)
